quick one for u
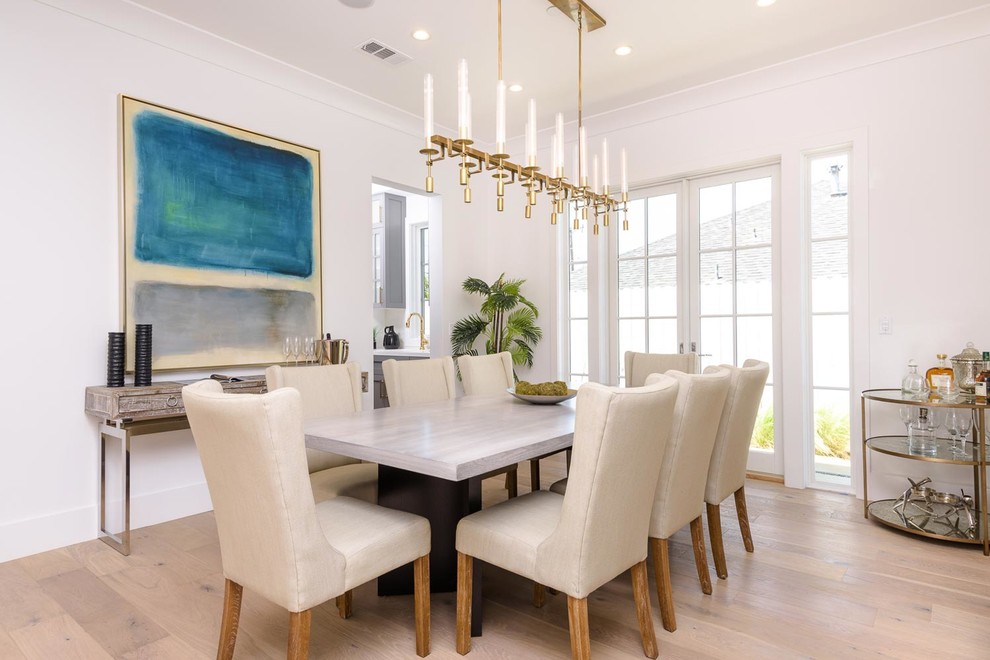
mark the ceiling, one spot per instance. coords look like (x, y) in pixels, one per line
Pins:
(677, 44)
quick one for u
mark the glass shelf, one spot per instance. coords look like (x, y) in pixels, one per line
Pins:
(917, 522)
(896, 396)
(897, 445)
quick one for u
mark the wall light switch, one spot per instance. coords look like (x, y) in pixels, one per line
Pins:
(886, 325)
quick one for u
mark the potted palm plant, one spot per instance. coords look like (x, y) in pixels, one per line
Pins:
(507, 321)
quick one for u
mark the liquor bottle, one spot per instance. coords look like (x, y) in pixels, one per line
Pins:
(941, 379)
(982, 380)
(914, 384)
(921, 435)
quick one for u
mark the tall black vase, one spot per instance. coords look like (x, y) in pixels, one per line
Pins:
(142, 354)
(115, 359)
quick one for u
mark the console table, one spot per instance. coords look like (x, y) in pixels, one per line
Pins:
(125, 412)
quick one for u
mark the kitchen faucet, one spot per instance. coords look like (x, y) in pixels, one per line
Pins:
(423, 341)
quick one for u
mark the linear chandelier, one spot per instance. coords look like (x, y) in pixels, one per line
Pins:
(592, 200)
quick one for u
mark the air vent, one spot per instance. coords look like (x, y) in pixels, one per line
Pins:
(383, 52)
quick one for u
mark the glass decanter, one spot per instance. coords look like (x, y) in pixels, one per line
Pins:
(914, 384)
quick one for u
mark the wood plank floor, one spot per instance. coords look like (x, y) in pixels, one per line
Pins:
(823, 583)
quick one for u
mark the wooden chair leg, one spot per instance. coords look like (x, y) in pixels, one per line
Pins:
(567, 458)
(534, 474)
(512, 482)
(641, 596)
(345, 604)
(421, 604)
(577, 618)
(700, 558)
(743, 516)
(661, 568)
(539, 595)
(232, 593)
(465, 570)
(299, 625)
(715, 534)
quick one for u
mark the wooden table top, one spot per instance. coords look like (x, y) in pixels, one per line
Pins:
(454, 440)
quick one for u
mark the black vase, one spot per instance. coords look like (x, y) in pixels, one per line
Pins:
(142, 354)
(115, 359)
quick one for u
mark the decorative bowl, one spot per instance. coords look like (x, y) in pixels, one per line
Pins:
(542, 400)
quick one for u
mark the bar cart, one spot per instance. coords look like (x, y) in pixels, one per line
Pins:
(931, 512)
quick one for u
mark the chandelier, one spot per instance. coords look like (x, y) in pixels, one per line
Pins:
(593, 200)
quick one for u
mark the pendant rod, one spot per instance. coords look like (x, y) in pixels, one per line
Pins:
(499, 40)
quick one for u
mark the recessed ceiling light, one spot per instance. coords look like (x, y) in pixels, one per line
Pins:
(421, 35)
(623, 50)
(764, 3)
(357, 4)
(515, 87)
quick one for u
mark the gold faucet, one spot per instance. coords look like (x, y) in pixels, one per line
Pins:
(423, 341)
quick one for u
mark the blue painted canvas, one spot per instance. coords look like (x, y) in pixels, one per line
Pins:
(221, 239)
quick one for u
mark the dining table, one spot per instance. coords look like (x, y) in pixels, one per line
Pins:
(431, 458)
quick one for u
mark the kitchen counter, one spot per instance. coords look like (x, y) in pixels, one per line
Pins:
(401, 352)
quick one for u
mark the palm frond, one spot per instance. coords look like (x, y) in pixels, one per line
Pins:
(475, 285)
(464, 333)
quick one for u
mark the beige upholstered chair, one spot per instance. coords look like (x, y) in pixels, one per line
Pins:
(329, 390)
(680, 493)
(274, 538)
(577, 542)
(727, 470)
(641, 365)
(409, 382)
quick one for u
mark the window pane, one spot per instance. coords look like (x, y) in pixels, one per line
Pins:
(632, 337)
(715, 216)
(632, 285)
(663, 335)
(633, 241)
(716, 283)
(662, 221)
(830, 350)
(579, 347)
(829, 207)
(578, 241)
(578, 286)
(830, 276)
(832, 424)
(717, 339)
(763, 429)
(663, 286)
(755, 339)
(754, 286)
(753, 212)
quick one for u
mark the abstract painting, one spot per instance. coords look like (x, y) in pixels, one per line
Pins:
(221, 239)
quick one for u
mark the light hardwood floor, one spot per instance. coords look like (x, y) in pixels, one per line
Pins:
(823, 583)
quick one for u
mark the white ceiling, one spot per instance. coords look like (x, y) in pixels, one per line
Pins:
(676, 44)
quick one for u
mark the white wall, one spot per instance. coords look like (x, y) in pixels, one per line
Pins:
(63, 68)
(915, 102)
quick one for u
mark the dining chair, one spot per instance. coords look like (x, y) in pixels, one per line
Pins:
(641, 365)
(576, 542)
(485, 375)
(275, 539)
(409, 382)
(326, 390)
(680, 494)
(727, 469)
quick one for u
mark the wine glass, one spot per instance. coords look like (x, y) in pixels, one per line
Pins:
(308, 349)
(908, 415)
(296, 348)
(287, 349)
(953, 420)
(937, 416)
(965, 424)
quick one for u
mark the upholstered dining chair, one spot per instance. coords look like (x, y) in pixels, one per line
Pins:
(275, 539)
(680, 493)
(577, 542)
(641, 365)
(727, 469)
(483, 375)
(409, 382)
(327, 390)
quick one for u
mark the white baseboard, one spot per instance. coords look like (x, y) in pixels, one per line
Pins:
(31, 536)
